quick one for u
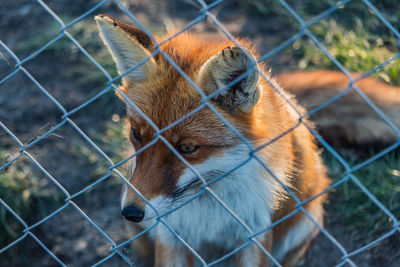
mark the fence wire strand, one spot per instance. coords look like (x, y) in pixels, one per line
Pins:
(205, 13)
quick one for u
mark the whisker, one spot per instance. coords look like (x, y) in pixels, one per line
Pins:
(195, 183)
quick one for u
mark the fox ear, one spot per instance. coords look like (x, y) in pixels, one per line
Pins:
(128, 46)
(226, 66)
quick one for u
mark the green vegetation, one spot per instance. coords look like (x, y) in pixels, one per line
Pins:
(85, 32)
(33, 196)
(28, 193)
(22, 186)
(353, 34)
(308, 9)
(357, 50)
(351, 207)
(112, 141)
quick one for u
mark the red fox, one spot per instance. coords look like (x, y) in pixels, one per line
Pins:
(205, 142)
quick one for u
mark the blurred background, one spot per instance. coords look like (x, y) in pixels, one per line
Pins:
(353, 34)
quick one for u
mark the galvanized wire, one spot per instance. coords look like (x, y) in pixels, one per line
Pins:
(205, 11)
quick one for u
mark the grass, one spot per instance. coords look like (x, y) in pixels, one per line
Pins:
(33, 196)
(28, 193)
(310, 8)
(356, 50)
(112, 142)
(22, 187)
(351, 207)
(85, 32)
(353, 35)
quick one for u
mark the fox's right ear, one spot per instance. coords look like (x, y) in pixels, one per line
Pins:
(128, 46)
(225, 67)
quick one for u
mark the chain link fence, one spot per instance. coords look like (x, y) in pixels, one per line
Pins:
(205, 12)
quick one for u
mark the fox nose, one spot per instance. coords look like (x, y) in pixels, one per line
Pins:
(133, 213)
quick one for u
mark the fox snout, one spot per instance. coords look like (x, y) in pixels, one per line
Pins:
(132, 207)
(133, 213)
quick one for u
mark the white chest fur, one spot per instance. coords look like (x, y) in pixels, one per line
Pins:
(248, 192)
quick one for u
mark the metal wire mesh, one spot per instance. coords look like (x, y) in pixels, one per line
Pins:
(205, 13)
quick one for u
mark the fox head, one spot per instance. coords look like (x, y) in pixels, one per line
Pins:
(202, 140)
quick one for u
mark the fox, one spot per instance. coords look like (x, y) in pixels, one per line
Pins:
(251, 148)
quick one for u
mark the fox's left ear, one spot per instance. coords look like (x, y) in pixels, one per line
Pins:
(223, 68)
(128, 46)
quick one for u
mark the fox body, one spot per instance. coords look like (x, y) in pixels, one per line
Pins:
(253, 183)
(349, 121)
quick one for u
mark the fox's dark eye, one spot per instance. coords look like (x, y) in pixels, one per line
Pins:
(135, 135)
(187, 148)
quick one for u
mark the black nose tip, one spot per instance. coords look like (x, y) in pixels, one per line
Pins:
(133, 213)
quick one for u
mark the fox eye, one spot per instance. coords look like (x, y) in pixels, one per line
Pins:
(187, 148)
(135, 135)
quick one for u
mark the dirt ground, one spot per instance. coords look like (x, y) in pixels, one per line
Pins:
(28, 112)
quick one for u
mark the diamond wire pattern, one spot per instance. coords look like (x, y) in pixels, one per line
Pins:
(205, 13)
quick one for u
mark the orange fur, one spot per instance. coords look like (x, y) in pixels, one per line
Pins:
(349, 121)
(164, 96)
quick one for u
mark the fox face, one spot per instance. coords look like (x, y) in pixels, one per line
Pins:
(201, 144)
